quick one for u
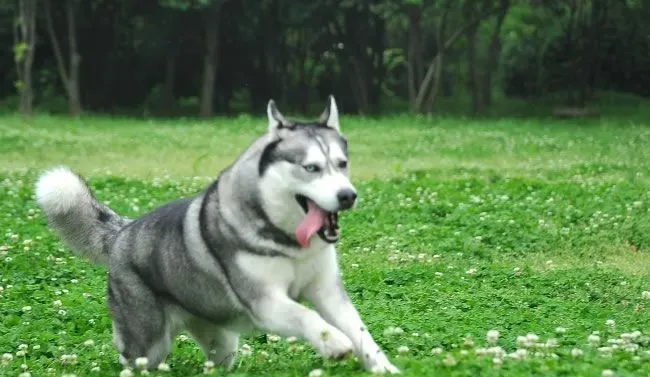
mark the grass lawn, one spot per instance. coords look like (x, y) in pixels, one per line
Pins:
(539, 229)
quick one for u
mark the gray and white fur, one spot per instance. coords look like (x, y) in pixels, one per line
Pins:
(228, 260)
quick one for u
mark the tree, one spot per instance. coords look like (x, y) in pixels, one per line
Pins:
(68, 71)
(494, 50)
(211, 15)
(429, 86)
(24, 52)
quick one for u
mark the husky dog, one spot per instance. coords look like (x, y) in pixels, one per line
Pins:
(236, 257)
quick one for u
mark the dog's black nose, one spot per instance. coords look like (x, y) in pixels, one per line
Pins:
(346, 198)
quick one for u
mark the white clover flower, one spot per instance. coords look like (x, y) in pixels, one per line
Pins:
(523, 341)
(610, 323)
(89, 343)
(141, 362)
(496, 351)
(164, 367)
(126, 373)
(576, 352)
(521, 353)
(480, 351)
(25, 374)
(645, 295)
(246, 350)
(208, 367)
(272, 338)
(69, 359)
(631, 348)
(560, 330)
(95, 369)
(605, 350)
(402, 350)
(23, 347)
(7, 357)
(316, 373)
(292, 339)
(182, 338)
(436, 351)
(21, 353)
(449, 360)
(607, 373)
(26, 308)
(532, 338)
(471, 271)
(593, 339)
(391, 330)
(497, 362)
(493, 337)
(62, 312)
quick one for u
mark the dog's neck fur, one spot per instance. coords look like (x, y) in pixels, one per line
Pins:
(248, 201)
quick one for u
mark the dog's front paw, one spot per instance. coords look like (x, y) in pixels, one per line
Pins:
(333, 344)
(382, 366)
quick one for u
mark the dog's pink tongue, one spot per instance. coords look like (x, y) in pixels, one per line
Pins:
(313, 221)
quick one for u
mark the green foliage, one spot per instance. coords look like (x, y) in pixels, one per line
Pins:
(533, 228)
(19, 51)
(362, 50)
(187, 4)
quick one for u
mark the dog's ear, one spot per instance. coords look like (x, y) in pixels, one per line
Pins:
(330, 116)
(276, 119)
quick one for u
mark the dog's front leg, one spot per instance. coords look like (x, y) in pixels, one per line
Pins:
(331, 300)
(280, 314)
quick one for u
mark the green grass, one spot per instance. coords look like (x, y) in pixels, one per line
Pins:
(463, 226)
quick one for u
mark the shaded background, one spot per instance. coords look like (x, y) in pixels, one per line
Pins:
(211, 57)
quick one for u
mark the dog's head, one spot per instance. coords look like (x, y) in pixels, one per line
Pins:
(308, 162)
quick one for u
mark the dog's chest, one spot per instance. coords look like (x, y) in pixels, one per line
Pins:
(288, 275)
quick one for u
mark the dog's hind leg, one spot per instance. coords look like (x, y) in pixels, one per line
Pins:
(218, 344)
(140, 327)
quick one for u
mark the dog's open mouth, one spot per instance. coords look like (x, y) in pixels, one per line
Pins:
(316, 221)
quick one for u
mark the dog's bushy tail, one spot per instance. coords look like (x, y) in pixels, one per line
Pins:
(84, 224)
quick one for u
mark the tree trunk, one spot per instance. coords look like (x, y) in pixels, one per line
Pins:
(69, 73)
(210, 61)
(437, 78)
(414, 61)
(359, 86)
(74, 96)
(594, 70)
(168, 83)
(427, 89)
(474, 74)
(430, 84)
(24, 51)
(570, 53)
(494, 50)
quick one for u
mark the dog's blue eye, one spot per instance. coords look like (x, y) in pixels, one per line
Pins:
(312, 168)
